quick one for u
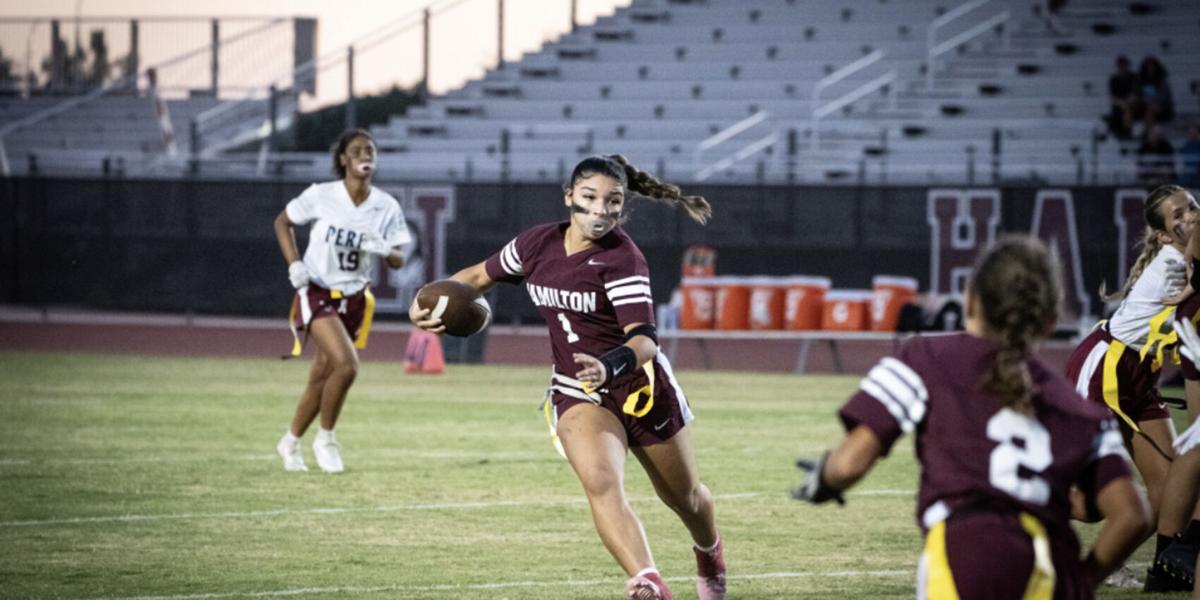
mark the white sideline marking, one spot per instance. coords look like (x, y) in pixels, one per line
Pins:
(401, 507)
(502, 585)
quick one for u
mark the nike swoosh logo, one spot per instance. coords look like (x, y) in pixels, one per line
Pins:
(618, 370)
(661, 425)
(595, 263)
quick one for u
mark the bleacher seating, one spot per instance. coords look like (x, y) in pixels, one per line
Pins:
(658, 77)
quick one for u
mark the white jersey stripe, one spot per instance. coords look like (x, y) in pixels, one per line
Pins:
(1095, 358)
(636, 300)
(628, 280)
(684, 407)
(510, 261)
(893, 407)
(305, 308)
(628, 290)
(907, 374)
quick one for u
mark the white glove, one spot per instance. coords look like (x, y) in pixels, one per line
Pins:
(1176, 277)
(298, 274)
(376, 245)
(1189, 341)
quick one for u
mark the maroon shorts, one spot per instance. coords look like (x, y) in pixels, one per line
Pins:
(991, 555)
(313, 302)
(1136, 396)
(1190, 309)
(647, 418)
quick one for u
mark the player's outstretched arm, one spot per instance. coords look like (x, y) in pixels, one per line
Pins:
(475, 276)
(840, 468)
(1126, 524)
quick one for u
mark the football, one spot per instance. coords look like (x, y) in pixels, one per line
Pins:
(462, 310)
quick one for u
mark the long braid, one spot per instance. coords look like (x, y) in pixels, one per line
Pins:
(1155, 222)
(647, 185)
(1017, 284)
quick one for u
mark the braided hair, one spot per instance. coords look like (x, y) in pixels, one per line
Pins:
(642, 183)
(1017, 286)
(1150, 244)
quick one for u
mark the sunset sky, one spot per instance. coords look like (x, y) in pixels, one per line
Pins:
(463, 39)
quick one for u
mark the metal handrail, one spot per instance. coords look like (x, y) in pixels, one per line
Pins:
(934, 49)
(854, 95)
(727, 134)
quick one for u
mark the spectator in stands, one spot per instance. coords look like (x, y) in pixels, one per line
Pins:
(1002, 439)
(1189, 155)
(351, 220)
(1122, 93)
(1154, 92)
(1155, 158)
(612, 393)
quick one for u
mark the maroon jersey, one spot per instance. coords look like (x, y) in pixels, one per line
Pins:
(588, 298)
(977, 455)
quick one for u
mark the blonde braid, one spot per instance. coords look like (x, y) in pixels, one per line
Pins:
(645, 184)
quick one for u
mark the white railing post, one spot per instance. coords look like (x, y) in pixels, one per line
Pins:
(723, 136)
(933, 49)
(819, 111)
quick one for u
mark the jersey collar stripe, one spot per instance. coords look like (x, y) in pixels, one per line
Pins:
(628, 280)
(628, 290)
(637, 300)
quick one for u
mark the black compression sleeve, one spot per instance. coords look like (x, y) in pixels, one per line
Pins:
(617, 362)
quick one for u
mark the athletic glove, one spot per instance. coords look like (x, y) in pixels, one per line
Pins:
(813, 488)
(376, 245)
(298, 274)
(1189, 341)
(1176, 277)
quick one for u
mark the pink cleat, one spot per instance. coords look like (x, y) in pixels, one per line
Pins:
(647, 585)
(710, 572)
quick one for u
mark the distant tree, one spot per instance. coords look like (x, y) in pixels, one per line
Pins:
(314, 131)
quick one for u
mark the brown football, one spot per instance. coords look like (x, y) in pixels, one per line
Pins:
(463, 311)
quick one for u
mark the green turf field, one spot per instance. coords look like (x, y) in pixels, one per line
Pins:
(151, 477)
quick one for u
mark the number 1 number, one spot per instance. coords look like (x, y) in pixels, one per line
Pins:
(566, 325)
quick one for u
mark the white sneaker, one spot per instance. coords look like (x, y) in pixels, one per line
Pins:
(290, 453)
(329, 456)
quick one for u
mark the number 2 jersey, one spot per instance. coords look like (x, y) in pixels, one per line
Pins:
(334, 257)
(975, 454)
(587, 299)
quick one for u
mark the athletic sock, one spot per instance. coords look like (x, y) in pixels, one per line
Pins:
(709, 549)
(289, 438)
(1160, 543)
(324, 435)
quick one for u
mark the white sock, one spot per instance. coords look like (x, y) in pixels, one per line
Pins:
(289, 438)
(709, 550)
(325, 435)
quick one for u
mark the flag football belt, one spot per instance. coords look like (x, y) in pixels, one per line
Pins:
(364, 329)
(633, 405)
(940, 582)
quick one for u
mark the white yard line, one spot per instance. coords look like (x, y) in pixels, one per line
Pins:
(483, 504)
(450, 587)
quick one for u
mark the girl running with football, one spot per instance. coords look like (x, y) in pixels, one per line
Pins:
(351, 219)
(612, 391)
(1001, 439)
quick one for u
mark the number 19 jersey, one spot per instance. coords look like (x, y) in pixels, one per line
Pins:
(334, 257)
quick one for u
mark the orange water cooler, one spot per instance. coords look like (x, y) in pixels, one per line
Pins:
(803, 301)
(889, 294)
(766, 302)
(846, 310)
(733, 303)
(699, 310)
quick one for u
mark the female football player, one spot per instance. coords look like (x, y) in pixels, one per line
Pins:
(351, 219)
(1001, 439)
(612, 391)
(1118, 364)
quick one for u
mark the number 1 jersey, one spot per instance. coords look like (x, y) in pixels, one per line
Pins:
(588, 298)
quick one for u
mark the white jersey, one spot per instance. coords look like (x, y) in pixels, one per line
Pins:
(333, 257)
(1131, 323)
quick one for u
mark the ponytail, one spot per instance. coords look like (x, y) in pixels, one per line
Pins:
(647, 185)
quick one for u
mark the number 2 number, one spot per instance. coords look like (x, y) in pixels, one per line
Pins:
(1007, 459)
(572, 337)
